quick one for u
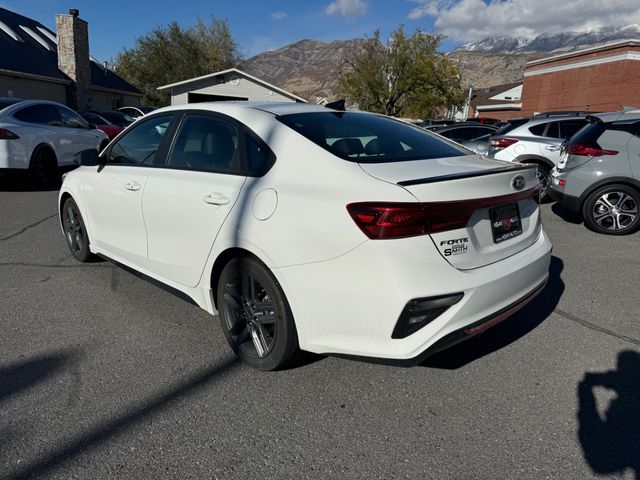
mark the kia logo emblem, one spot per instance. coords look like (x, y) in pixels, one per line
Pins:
(518, 182)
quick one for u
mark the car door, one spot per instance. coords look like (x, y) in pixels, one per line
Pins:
(186, 203)
(113, 197)
(550, 142)
(77, 134)
(45, 124)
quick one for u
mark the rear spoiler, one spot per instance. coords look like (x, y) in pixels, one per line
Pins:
(458, 176)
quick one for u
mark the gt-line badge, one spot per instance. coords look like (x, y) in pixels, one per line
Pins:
(455, 246)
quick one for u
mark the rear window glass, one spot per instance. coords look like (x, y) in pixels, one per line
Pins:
(589, 134)
(511, 124)
(367, 138)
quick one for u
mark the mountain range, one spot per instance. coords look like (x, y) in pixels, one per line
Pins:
(310, 68)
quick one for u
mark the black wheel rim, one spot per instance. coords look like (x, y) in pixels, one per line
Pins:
(73, 229)
(249, 315)
(42, 171)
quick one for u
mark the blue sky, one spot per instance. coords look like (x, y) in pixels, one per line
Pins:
(256, 25)
(260, 25)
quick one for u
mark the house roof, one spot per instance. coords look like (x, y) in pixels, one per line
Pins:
(482, 96)
(30, 49)
(238, 72)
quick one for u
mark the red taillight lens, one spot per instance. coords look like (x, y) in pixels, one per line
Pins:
(7, 134)
(503, 142)
(381, 221)
(389, 220)
(589, 150)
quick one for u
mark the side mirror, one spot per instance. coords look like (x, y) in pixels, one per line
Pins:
(87, 158)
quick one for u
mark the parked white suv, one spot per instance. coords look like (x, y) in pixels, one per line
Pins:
(537, 141)
(38, 137)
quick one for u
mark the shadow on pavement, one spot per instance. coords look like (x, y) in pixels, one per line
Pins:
(22, 183)
(567, 215)
(611, 441)
(116, 426)
(19, 376)
(508, 332)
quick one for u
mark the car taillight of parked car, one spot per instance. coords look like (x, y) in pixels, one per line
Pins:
(7, 134)
(589, 150)
(503, 142)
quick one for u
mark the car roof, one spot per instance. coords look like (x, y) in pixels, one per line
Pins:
(275, 108)
(464, 124)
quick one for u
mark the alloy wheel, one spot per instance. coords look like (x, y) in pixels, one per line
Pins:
(250, 315)
(73, 229)
(615, 211)
(543, 178)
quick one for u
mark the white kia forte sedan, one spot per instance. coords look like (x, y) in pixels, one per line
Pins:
(307, 228)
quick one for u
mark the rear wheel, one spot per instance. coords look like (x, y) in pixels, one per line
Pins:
(544, 176)
(44, 169)
(255, 315)
(612, 210)
(75, 231)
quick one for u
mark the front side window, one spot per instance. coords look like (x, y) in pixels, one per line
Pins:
(366, 138)
(139, 145)
(71, 119)
(206, 143)
(46, 114)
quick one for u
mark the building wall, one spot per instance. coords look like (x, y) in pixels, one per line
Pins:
(598, 88)
(242, 87)
(102, 100)
(31, 89)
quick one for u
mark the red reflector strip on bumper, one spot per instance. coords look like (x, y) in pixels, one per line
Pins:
(502, 316)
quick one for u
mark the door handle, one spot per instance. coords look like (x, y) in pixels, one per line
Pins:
(216, 199)
(552, 148)
(132, 186)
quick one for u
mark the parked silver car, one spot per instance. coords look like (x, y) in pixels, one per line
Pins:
(598, 174)
(537, 141)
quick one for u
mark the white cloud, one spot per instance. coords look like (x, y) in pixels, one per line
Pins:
(278, 15)
(347, 8)
(474, 19)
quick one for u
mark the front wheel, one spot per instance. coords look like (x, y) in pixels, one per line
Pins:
(612, 210)
(255, 315)
(75, 231)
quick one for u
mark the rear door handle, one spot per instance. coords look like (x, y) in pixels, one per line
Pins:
(552, 148)
(216, 199)
(133, 186)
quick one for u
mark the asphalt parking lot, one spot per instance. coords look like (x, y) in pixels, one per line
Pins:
(104, 375)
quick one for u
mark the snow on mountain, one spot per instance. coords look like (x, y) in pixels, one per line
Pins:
(556, 42)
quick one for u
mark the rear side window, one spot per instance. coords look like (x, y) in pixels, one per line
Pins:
(538, 130)
(367, 138)
(40, 114)
(511, 124)
(205, 143)
(553, 131)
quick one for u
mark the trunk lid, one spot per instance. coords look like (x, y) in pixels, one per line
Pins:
(503, 197)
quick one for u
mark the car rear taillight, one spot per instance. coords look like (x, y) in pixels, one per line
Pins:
(589, 150)
(7, 134)
(382, 221)
(389, 220)
(503, 142)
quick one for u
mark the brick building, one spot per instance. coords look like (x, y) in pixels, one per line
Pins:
(598, 79)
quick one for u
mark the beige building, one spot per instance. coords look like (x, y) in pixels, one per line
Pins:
(231, 84)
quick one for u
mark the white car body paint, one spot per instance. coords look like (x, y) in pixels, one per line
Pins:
(346, 292)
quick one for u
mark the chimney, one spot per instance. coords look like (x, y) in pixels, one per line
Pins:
(73, 58)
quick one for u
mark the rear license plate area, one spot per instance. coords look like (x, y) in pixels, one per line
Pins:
(505, 222)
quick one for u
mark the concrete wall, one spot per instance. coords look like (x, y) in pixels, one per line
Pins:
(30, 89)
(226, 86)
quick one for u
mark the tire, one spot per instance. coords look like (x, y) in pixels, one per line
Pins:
(75, 231)
(255, 315)
(612, 210)
(44, 169)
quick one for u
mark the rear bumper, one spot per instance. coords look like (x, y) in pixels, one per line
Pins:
(350, 306)
(568, 201)
(458, 336)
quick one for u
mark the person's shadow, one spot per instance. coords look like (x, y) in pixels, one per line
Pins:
(611, 441)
